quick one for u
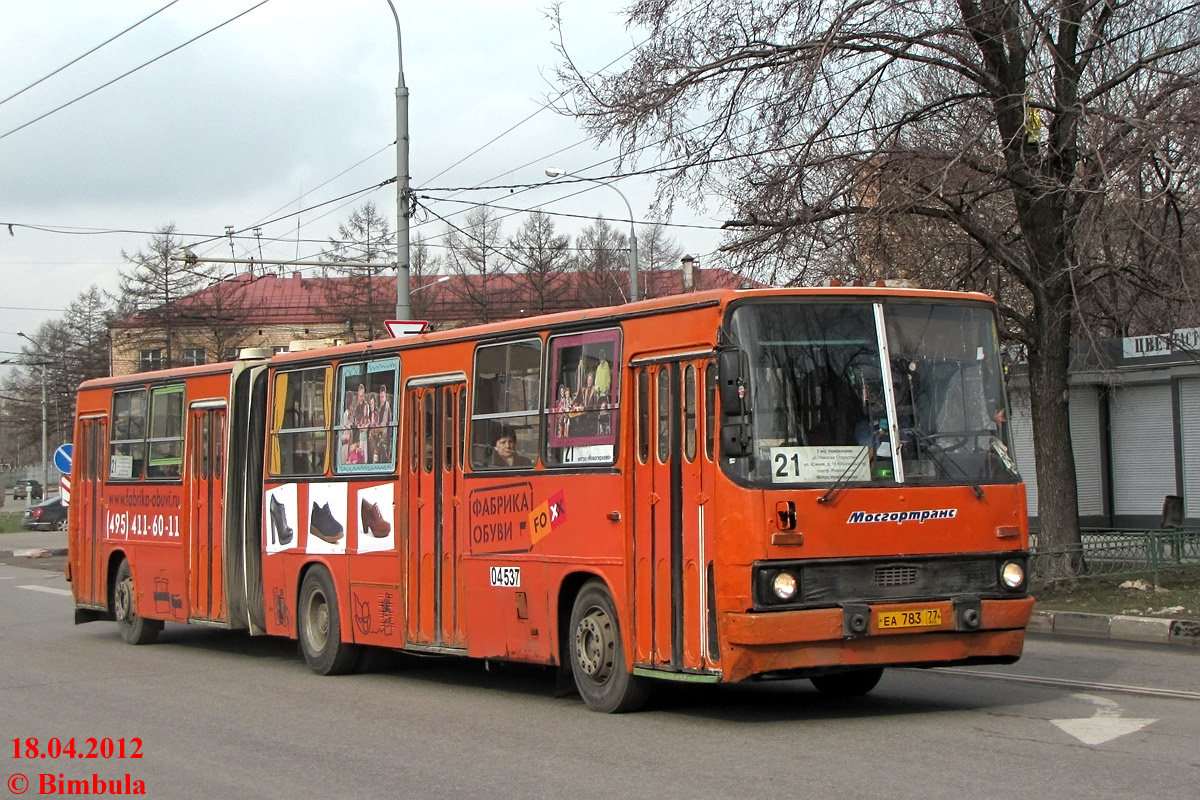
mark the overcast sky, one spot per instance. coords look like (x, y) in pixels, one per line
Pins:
(287, 107)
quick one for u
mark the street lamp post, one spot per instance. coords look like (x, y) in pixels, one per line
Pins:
(403, 296)
(634, 293)
(45, 431)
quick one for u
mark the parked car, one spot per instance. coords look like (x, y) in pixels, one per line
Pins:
(27, 489)
(50, 515)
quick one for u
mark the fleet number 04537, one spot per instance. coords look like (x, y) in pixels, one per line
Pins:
(506, 577)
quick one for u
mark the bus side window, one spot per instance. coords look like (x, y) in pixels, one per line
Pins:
(690, 419)
(643, 412)
(299, 422)
(507, 391)
(367, 433)
(127, 448)
(583, 398)
(166, 433)
(710, 406)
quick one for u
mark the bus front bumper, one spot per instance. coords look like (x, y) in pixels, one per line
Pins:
(964, 630)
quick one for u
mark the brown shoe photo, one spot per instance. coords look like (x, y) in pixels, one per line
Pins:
(373, 521)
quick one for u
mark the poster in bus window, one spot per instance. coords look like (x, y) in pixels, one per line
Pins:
(367, 417)
(585, 396)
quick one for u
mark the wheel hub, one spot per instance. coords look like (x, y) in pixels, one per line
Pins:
(124, 603)
(594, 646)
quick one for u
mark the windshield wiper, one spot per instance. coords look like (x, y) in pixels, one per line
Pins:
(944, 462)
(843, 479)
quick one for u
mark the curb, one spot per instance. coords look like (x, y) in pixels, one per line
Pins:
(1119, 628)
(33, 552)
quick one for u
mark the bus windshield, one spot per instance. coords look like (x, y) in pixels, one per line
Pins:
(875, 392)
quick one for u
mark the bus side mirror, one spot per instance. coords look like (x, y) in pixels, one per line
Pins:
(732, 368)
(736, 439)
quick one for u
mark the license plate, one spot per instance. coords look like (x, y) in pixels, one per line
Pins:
(909, 618)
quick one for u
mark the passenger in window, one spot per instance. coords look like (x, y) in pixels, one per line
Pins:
(504, 450)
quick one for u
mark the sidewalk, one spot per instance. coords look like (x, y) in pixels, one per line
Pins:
(1117, 628)
(16, 544)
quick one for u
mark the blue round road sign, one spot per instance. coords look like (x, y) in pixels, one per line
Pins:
(62, 458)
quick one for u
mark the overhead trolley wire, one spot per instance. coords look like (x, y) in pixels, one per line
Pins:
(75, 61)
(132, 71)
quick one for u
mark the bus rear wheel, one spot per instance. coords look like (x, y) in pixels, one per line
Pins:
(320, 627)
(134, 629)
(598, 656)
(848, 684)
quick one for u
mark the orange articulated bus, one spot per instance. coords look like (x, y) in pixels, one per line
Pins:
(709, 487)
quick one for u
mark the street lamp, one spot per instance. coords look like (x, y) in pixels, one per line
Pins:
(440, 279)
(634, 295)
(403, 296)
(45, 461)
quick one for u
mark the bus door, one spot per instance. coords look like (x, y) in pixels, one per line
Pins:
(435, 598)
(87, 512)
(204, 480)
(672, 486)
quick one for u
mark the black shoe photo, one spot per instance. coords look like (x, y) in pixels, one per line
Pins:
(323, 525)
(280, 532)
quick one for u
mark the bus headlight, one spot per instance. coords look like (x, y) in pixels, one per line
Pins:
(785, 586)
(1012, 574)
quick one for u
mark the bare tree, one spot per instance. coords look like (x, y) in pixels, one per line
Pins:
(602, 261)
(65, 352)
(474, 254)
(542, 258)
(220, 316)
(1018, 130)
(365, 243)
(423, 264)
(657, 251)
(157, 279)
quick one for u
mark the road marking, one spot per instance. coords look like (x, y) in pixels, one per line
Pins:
(1064, 683)
(1104, 725)
(49, 589)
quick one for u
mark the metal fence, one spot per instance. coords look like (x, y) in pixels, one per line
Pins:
(1122, 553)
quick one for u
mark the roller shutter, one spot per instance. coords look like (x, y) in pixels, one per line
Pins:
(1085, 442)
(1143, 449)
(1189, 418)
(1022, 434)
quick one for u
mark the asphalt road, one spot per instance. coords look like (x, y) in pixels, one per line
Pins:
(218, 714)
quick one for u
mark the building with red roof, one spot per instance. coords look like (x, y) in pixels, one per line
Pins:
(275, 311)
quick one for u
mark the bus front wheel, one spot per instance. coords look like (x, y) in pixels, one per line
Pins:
(320, 627)
(598, 656)
(848, 684)
(134, 629)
